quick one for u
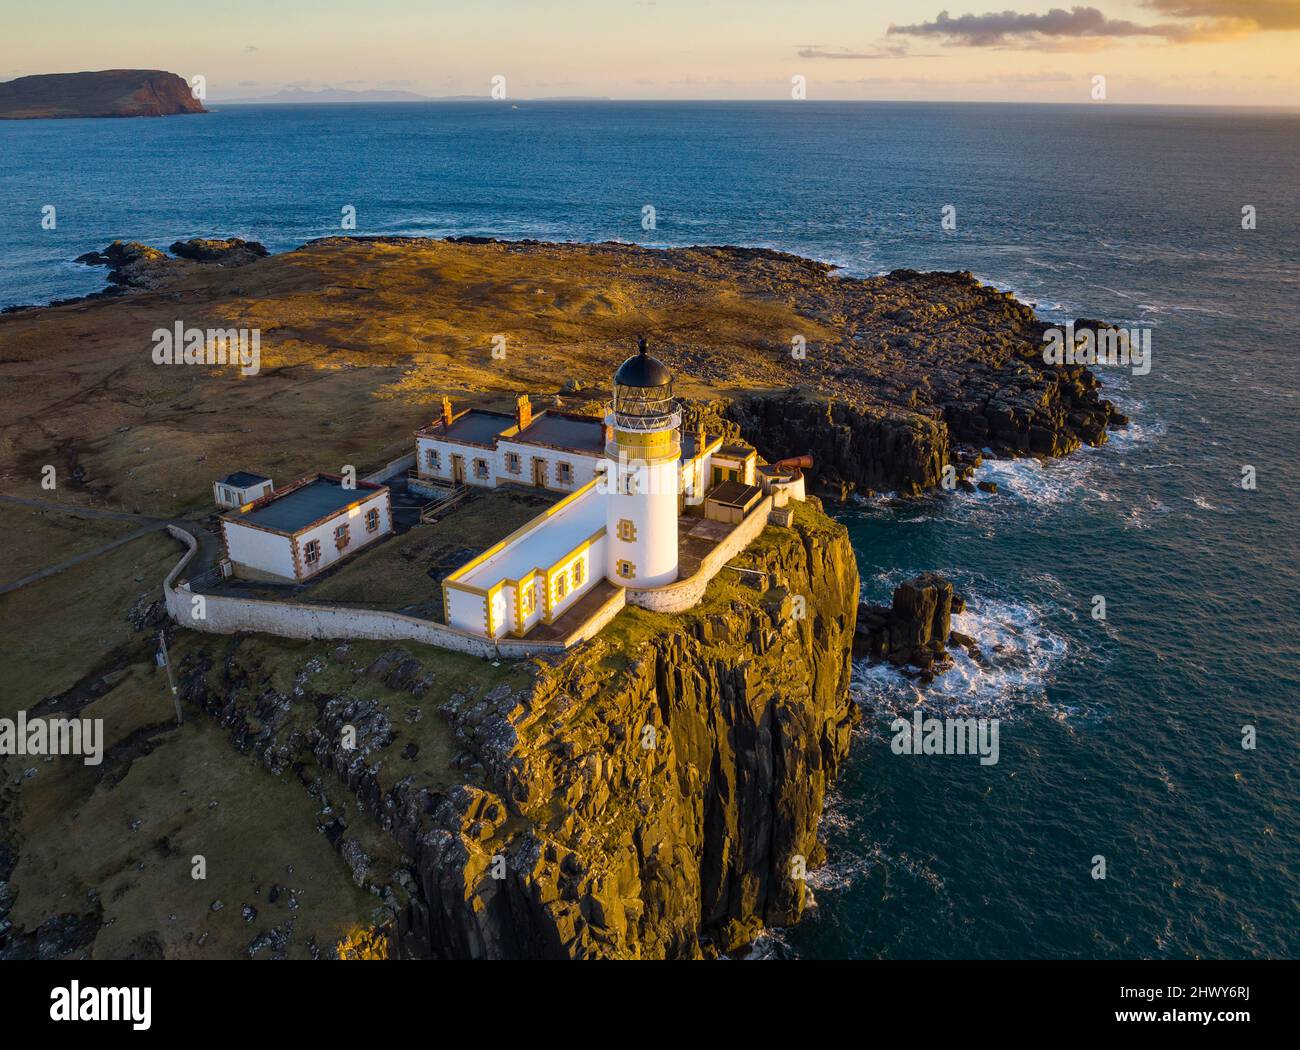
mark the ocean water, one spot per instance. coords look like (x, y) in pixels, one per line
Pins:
(1119, 738)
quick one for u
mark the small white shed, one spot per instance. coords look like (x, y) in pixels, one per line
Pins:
(240, 488)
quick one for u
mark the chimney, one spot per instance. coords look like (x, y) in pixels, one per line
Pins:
(699, 439)
(446, 412)
(523, 411)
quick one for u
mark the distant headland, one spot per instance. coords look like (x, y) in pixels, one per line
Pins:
(106, 93)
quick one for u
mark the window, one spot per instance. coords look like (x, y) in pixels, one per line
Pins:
(564, 473)
(432, 460)
(312, 552)
(628, 484)
(341, 536)
(372, 519)
(513, 463)
(626, 570)
(481, 468)
(626, 530)
(579, 572)
(561, 587)
(529, 599)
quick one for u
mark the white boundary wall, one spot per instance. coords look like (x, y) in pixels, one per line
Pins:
(223, 614)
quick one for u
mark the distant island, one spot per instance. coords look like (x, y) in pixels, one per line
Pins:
(334, 95)
(106, 93)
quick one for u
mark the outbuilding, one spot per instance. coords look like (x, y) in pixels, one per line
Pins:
(299, 531)
(731, 501)
(243, 486)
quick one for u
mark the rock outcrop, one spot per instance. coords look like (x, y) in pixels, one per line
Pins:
(135, 265)
(106, 93)
(664, 811)
(916, 629)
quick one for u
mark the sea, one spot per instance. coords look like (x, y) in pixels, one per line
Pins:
(1157, 746)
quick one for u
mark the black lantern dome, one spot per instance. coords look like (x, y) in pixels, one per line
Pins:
(642, 370)
(643, 393)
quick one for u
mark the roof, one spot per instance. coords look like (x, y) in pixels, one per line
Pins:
(689, 443)
(734, 494)
(543, 541)
(478, 426)
(643, 370)
(735, 451)
(296, 508)
(242, 479)
(579, 433)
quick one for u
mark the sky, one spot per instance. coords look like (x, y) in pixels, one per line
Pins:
(1196, 52)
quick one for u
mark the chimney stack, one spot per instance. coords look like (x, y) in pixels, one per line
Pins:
(523, 411)
(446, 411)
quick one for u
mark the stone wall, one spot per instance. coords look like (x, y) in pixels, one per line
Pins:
(223, 614)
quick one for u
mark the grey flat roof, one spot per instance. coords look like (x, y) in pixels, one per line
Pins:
(479, 427)
(241, 479)
(582, 435)
(734, 494)
(735, 451)
(301, 506)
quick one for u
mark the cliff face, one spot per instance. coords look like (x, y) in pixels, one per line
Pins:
(106, 93)
(634, 810)
(654, 793)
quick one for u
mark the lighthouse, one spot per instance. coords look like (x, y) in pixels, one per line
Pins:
(642, 474)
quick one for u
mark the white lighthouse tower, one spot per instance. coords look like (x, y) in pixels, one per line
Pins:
(642, 463)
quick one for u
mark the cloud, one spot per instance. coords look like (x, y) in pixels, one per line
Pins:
(1085, 28)
(884, 51)
(999, 28)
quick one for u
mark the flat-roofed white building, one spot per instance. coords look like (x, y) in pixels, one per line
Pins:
(302, 529)
(534, 575)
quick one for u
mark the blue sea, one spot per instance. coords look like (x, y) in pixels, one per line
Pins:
(1119, 738)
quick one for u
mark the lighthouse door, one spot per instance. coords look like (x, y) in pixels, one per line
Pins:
(457, 470)
(539, 472)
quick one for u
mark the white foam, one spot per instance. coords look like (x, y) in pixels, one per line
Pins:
(1020, 657)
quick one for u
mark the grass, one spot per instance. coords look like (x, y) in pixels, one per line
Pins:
(399, 572)
(57, 630)
(260, 832)
(38, 539)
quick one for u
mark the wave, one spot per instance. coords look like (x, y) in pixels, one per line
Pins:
(1020, 656)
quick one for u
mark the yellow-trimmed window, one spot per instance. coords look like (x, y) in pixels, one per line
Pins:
(626, 530)
(626, 569)
(579, 572)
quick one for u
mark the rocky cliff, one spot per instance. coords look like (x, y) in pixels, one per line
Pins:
(106, 93)
(652, 794)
